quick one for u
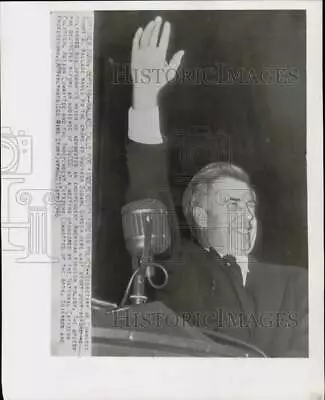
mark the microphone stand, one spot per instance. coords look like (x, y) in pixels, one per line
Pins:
(138, 296)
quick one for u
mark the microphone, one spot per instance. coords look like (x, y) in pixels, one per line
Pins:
(146, 232)
(135, 220)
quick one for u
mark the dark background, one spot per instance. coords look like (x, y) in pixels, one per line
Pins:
(261, 128)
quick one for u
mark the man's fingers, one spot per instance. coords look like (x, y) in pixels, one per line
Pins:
(155, 32)
(176, 60)
(136, 40)
(145, 40)
(164, 40)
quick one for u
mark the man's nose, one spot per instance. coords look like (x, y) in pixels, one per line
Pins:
(242, 218)
(250, 213)
(247, 214)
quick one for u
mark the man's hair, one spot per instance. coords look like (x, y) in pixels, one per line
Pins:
(199, 186)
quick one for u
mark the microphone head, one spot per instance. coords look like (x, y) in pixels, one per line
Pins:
(134, 220)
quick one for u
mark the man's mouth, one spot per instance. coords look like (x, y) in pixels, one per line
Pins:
(240, 226)
(244, 231)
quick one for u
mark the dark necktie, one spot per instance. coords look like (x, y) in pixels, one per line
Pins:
(233, 269)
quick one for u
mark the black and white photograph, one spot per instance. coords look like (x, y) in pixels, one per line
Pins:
(199, 232)
(162, 200)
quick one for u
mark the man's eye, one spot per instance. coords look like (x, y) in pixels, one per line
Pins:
(222, 199)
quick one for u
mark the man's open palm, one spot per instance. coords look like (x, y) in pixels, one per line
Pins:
(150, 70)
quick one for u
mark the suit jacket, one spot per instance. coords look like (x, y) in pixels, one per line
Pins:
(269, 312)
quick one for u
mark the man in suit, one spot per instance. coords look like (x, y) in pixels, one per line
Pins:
(214, 283)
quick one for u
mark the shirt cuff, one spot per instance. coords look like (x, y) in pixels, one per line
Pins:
(144, 126)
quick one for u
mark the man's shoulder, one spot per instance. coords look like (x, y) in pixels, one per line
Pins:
(192, 257)
(195, 254)
(192, 247)
(278, 272)
(277, 286)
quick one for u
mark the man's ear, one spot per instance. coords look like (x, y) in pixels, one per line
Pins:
(200, 217)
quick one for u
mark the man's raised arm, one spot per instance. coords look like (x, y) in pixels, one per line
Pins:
(147, 163)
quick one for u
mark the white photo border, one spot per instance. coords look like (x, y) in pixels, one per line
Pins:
(30, 372)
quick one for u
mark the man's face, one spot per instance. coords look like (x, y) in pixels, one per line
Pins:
(231, 218)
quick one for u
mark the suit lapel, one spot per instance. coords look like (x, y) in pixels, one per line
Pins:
(245, 300)
(267, 287)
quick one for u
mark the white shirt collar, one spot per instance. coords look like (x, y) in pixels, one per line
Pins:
(242, 261)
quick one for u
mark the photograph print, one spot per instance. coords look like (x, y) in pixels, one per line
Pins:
(200, 243)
